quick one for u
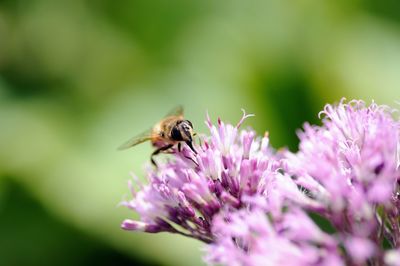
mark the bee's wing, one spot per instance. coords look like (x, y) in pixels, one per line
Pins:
(176, 111)
(145, 136)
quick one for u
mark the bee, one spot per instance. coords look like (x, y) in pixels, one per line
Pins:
(172, 130)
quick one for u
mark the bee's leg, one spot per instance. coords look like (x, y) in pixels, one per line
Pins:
(153, 162)
(158, 151)
(190, 158)
(179, 147)
(189, 143)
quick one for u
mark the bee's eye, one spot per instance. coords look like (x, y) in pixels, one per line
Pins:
(176, 134)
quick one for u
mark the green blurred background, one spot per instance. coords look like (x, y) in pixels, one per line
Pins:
(77, 78)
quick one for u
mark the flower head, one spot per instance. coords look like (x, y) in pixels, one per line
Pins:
(184, 194)
(251, 237)
(350, 166)
(252, 206)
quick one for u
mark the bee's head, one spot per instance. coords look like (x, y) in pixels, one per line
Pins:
(182, 131)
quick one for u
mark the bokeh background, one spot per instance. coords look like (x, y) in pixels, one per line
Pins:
(78, 78)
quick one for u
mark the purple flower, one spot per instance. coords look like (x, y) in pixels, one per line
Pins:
(184, 195)
(350, 166)
(251, 205)
(251, 237)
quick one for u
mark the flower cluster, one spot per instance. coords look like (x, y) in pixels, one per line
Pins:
(350, 166)
(252, 205)
(184, 194)
(254, 236)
